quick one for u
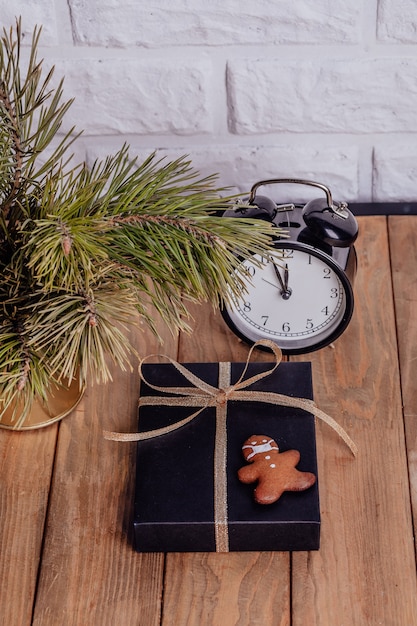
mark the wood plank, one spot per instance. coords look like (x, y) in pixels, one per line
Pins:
(90, 573)
(26, 461)
(365, 570)
(403, 234)
(227, 589)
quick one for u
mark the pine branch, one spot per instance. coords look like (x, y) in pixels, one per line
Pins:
(17, 152)
(28, 124)
(87, 252)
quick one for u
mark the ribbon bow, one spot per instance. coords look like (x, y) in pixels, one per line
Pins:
(203, 395)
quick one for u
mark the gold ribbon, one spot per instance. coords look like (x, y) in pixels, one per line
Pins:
(203, 395)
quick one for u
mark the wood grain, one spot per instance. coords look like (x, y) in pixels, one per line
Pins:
(365, 570)
(90, 573)
(228, 589)
(240, 588)
(403, 237)
(26, 461)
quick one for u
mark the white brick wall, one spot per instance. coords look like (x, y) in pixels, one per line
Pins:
(249, 89)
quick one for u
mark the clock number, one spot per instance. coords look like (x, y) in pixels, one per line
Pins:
(287, 253)
(325, 310)
(334, 292)
(265, 318)
(247, 307)
(250, 270)
(309, 324)
(326, 272)
(286, 327)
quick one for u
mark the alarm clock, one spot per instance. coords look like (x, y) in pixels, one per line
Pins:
(301, 294)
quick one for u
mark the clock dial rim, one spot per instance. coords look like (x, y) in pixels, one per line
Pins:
(312, 343)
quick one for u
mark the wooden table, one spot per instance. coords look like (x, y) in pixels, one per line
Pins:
(66, 493)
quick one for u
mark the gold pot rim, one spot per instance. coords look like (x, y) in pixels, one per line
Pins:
(61, 402)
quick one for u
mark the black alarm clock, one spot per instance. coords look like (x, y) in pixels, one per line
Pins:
(301, 297)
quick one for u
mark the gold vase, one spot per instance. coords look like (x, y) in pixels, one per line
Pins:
(60, 402)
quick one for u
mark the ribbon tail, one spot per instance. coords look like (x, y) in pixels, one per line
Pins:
(299, 403)
(149, 434)
(308, 405)
(340, 431)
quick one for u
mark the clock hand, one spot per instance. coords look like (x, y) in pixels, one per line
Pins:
(272, 284)
(278, 274)
(286, 276)
(285, 291)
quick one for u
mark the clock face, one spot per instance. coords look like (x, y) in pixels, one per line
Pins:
(301, 300)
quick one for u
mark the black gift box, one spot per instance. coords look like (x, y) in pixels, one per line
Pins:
(174, 496)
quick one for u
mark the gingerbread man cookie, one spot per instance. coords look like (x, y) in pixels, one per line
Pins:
(274, 471)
